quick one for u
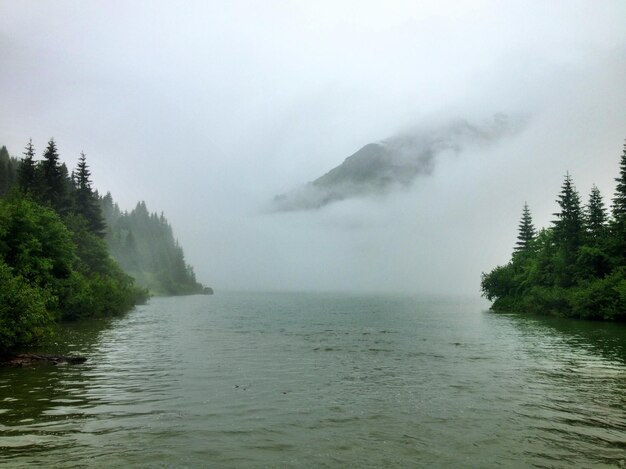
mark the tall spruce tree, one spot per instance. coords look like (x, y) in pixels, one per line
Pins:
(54, 180)
(578, 266)
(27, 171)
(568, 228)
(526, 232)
(86, 201)
(5, 171)
(595, 216)
(618, 224)
(619, 201)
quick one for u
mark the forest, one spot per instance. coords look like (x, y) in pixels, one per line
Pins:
(67, 253)
(143, 243)
(575, 268)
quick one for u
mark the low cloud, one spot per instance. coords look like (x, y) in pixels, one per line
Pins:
(397, 162)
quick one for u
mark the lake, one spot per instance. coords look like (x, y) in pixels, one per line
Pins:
(322, 380)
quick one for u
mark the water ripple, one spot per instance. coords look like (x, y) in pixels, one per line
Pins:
(285, 380)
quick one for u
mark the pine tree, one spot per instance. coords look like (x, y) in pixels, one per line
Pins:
(5, 168)
(27, 171)
(85, 199)
(526, 231)
(577, 268)
(595, 216)
(619, 201)
(568, 228)
(618, 223)
(54, 179)
(8, 171)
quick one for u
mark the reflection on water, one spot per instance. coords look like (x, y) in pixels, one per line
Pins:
(266, 380)
(576, 390)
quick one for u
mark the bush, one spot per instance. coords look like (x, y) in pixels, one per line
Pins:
(24, 317)
(49, 272)
(498, 283)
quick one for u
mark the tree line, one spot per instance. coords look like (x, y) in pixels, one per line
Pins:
(55, 263)
(144, 245)
(574, 268)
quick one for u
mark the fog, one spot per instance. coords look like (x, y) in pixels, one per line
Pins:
(208, 110)
(396, 162)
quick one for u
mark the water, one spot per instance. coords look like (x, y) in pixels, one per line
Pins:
(314, 380)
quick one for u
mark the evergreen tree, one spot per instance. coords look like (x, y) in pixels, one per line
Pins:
(577, 268)
(145, 246)
(568, 228)
(8, 171)
(617, 240)
(4, 170)
(595, 216)
(85, 199)
(619, 201)
(52, 266)
(526, 231)
(55, 182)
(27, 171)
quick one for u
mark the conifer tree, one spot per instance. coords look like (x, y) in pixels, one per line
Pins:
(577, 268)
(145, 246)
(619, 201)
(595, 216)
(568, 228)
(8, 171)
(618, 223)
(4, 170)
(526, 231)
(54, 179)
(85, 199)
(27, 170)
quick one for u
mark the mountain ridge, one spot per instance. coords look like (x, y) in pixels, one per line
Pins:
(396, 162)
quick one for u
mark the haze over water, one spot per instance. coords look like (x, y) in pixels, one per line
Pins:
(207, 110)
(322, 380)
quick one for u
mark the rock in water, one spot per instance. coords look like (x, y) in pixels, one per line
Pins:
(27, 359)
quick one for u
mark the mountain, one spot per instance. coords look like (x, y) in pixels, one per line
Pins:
(394, 163)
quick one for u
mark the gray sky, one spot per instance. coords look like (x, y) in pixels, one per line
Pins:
(206, 110)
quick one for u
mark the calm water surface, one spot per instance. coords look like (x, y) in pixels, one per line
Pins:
(315, 380)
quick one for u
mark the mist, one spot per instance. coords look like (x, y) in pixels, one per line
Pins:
(207, 111)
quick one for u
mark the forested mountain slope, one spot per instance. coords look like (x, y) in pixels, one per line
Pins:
(144, 245)
(54, 264)
(67, 253)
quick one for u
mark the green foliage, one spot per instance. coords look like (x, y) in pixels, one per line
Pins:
(54, 262)
(568, 227)
(595, 217)
(499, 283)
(143, 243)
(27, 170)
(526, 231)
(55, 179)
(104, 287)
(24, 316)
(8, 171)
(86, 201)
(601, 299)
(617, 226)
(592, 262)
(576, 268)
(34, 242)
(619, 201)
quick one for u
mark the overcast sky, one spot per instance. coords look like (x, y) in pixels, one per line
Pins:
(206, 110)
